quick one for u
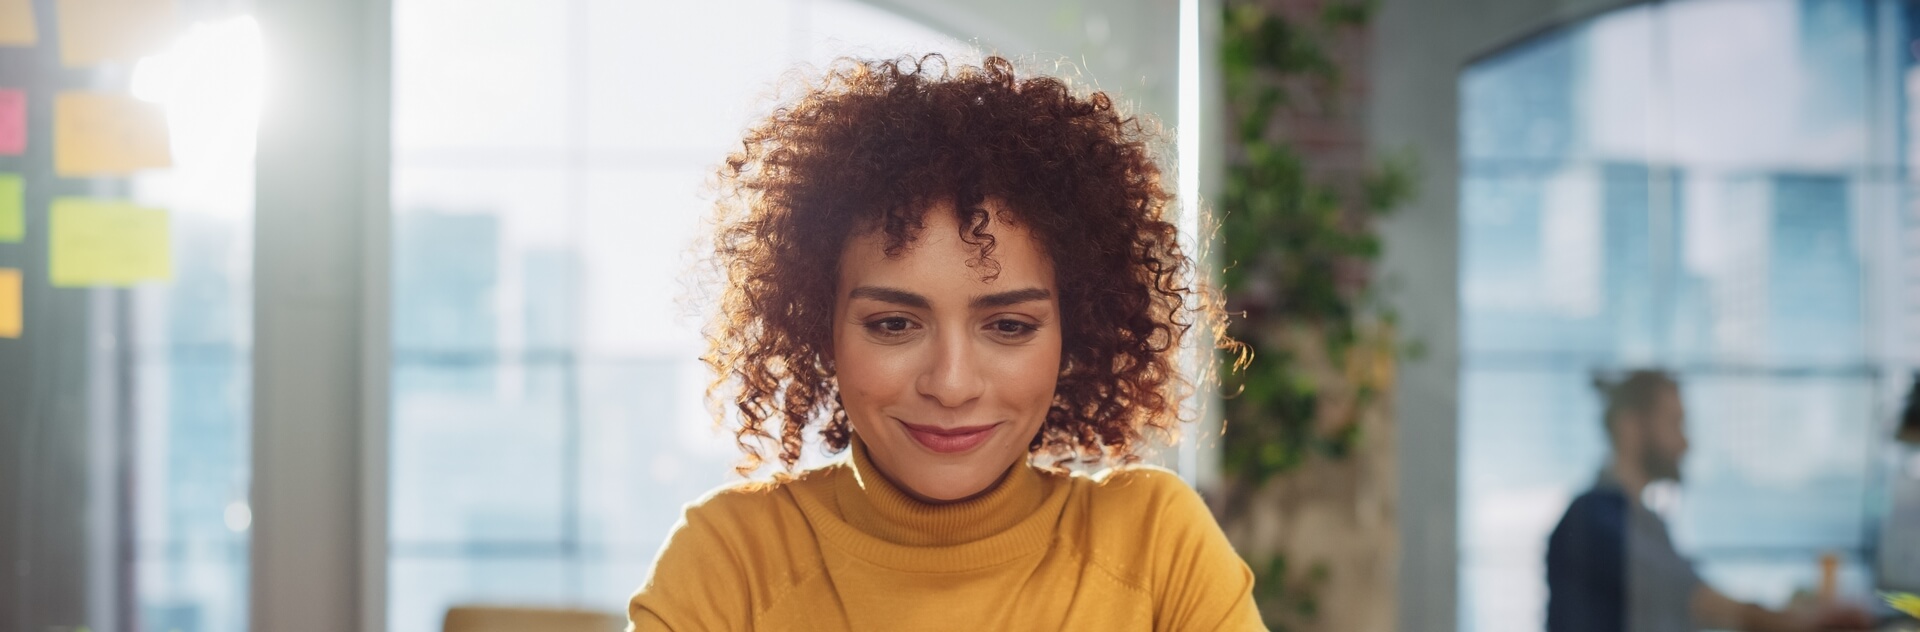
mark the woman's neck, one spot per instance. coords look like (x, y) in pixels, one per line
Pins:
(909, 491)
(875, 503)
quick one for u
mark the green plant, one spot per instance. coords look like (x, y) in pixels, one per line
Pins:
(1283, 596)
(1298, 249)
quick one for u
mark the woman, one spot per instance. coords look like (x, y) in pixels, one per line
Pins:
(948, 272)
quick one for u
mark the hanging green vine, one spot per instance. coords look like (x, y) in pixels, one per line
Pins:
(1299, 252)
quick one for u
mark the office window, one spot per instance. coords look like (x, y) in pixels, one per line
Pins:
(549, 162)
(192, 337)
(1725, 189)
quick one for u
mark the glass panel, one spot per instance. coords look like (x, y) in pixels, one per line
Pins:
(638, 239)
(1517, 293)
(725, 55)
(1796, 69)
(191, 338)
(479, 77)
(1575, 264)
(643, 437)
(1901, 340)
(1520, 105)
(1628, 119)
(1772, 271)
(499, 429)
(1778, 463)
(192, 434)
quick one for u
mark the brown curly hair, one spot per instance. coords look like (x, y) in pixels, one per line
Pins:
(870, 146)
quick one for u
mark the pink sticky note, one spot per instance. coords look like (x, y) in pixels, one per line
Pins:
(13, 122)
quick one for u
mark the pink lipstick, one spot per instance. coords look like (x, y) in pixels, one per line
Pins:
(949, 440)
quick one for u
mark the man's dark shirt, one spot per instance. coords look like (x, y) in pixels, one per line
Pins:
(1612, 568)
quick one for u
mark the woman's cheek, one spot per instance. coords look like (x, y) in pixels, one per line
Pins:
(870, 371)
(1032, 377)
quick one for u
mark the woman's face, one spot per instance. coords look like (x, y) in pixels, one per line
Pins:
(946, 375)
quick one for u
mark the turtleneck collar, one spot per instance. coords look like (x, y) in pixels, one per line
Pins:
(871, 503)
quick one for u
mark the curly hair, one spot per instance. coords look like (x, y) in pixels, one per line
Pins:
(873, 144)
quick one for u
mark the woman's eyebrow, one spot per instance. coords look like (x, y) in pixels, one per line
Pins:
(1012, 297)
(890, 295)
(910, 299)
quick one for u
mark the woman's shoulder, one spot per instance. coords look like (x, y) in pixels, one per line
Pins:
(745, 530)
(1150, 529)
(1141, 487)
(1138, 521)
(1138, 508)
(753, 502)
(735, 550)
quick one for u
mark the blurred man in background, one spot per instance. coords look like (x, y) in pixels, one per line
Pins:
(1611, 565)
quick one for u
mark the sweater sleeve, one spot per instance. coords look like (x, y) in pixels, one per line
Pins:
(698, 581)
(1195, 578)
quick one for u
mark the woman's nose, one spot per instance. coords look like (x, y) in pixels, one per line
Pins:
(953, 376)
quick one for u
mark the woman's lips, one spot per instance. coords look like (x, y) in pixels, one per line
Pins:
(949, 440)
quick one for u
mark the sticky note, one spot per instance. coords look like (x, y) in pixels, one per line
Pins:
(16, 23)
(13, 211)
(106, 242)
(13, 121)
(10, 303)
(93, 31)
(96, 133)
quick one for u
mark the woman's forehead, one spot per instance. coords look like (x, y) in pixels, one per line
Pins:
(940, 254)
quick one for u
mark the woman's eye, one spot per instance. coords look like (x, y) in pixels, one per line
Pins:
(1013, 329)
(894, 326)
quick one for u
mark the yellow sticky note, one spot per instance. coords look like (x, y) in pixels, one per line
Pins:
(13, 215)
(96, 133)
(1903, 602)
(10, 303)
(93, 31)
(105, 242)
(16, 23)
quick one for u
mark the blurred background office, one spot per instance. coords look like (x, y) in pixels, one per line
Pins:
(338, 315)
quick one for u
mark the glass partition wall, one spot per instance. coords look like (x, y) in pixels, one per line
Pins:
(124, 442)
(1723, 189)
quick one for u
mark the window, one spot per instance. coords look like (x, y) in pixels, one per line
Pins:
(191, 375)
(548, 420)
(1724, 189)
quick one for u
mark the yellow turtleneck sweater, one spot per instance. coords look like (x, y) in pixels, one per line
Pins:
(841, 548)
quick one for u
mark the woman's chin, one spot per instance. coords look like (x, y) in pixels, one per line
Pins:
(939, 487)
